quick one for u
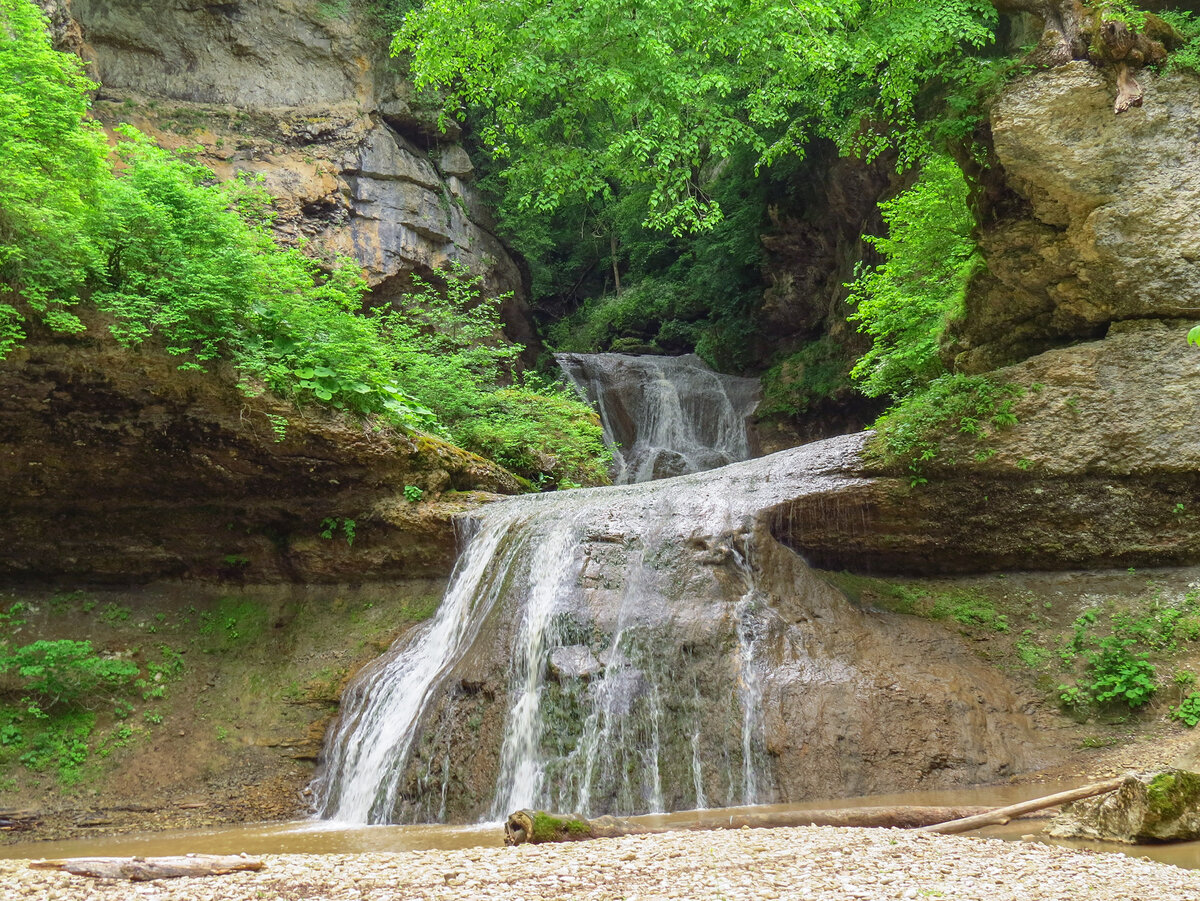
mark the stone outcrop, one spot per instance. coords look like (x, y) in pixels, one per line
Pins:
(303, 94)
(1101, 469)
(1154, 807)
(116, 467)
(1088, 218)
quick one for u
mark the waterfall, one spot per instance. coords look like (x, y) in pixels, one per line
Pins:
(621, 632)
(647, 647)
(665, 416)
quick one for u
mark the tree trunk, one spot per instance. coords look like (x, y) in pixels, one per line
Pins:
(538, 827)
(1002, 815)
(145, 869)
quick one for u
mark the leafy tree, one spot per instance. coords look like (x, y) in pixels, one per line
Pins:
(584, 96)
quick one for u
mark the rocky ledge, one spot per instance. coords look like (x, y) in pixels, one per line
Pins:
(117, 467)
(1102, 469)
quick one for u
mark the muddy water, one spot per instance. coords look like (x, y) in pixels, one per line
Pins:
(315, 837)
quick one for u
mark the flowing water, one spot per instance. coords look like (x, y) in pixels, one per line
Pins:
(665, 416)
(632, 683)
(650, 646)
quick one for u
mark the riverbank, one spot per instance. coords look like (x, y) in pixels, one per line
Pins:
(820, 864)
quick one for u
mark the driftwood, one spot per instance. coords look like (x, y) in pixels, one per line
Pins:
(1002, 815)
(145, 869)
(538, 827)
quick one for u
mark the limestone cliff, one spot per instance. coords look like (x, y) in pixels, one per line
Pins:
(1089, 218)
(302, 93)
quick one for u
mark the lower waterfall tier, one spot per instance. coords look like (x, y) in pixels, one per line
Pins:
(653, 647)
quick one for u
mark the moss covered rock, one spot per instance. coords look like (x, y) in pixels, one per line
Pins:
(1153, 807)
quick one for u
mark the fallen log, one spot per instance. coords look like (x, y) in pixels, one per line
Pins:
(1002, 815)
(146, 869)
(539, 827)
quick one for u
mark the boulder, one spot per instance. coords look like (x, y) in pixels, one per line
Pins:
(1153, 807)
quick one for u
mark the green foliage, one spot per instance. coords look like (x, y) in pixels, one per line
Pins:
(65, 672)
(540, 431)
(969, 608)
(909, 433)
(1186, 57)
(581, 96)
(1188, 710)
(331, 525)
(413, 494)
(52, 166)
(1120, 675)
(813, 373)
(905, 302)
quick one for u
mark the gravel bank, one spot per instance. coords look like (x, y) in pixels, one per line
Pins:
(805, 863)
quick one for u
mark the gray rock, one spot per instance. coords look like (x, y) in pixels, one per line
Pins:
(454, 161)
(1102, 217)
(574, 662)
(1159, 807)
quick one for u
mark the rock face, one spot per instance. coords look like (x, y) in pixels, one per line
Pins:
(116, 467)
(1092, 218)
(1159, 807)
(1101, 469)
(303, 94)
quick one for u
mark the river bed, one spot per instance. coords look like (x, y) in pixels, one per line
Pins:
(323, 837)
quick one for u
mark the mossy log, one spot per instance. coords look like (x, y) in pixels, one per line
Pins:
(537, 827)
(146, 869)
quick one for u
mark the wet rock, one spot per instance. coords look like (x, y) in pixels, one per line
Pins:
(1158, 807)
(574, 662)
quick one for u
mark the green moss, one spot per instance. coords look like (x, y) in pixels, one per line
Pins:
(547, 828)
(1171, 794)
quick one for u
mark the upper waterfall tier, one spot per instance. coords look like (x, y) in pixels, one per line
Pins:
(666, 416)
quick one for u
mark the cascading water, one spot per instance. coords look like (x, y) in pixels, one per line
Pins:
(596, 573)
(647, 647)
(665, 416)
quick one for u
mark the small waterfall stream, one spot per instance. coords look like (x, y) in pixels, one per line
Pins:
(665, 416)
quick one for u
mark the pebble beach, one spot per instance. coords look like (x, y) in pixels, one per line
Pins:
(811, 863)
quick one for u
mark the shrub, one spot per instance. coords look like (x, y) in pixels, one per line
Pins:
(52, 166)
(66, 672)
(904, 303)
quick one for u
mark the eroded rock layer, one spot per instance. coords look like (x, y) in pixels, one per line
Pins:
(117, 467)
